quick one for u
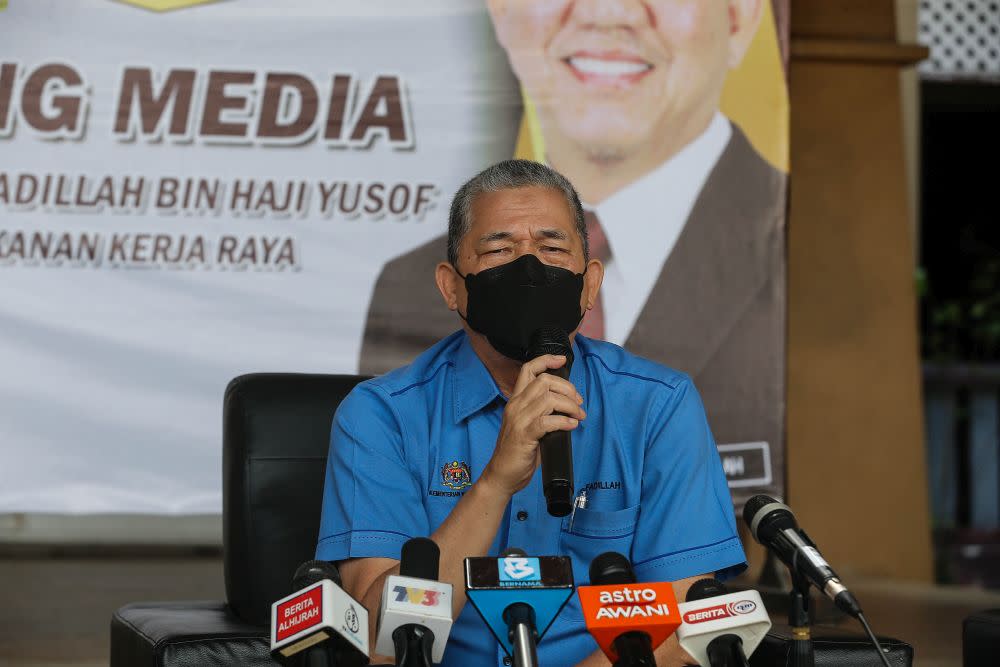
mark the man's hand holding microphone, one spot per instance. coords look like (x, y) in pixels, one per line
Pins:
(540, 403)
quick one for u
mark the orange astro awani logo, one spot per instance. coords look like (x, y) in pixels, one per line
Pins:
(455, 475)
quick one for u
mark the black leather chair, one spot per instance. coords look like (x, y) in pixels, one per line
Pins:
(276, 432)
(981, 639)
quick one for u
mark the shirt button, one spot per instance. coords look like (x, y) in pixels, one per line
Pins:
(522, 516)
(507, 661)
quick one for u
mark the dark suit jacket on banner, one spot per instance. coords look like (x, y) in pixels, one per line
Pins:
(716, 312)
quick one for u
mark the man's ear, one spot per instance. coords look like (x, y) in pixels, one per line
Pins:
(592, 279)
(744, 19)
(448, 281)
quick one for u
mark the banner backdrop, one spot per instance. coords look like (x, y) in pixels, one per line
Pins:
(246, 186)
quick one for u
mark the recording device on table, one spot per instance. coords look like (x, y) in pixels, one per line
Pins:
(719, 628)
(629, 620)
(518, 597)
(773, 525)
(415, 616)
(319, 625)
(556, 448)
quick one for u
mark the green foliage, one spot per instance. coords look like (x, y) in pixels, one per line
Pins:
(964, 327)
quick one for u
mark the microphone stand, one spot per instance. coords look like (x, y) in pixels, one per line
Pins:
(520, 619)
(798, 618)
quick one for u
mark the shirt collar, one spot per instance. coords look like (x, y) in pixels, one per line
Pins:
(475, 388)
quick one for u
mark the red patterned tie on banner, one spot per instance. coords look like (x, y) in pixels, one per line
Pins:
(593, 321)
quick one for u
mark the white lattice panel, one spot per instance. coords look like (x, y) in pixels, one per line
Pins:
(963, 36)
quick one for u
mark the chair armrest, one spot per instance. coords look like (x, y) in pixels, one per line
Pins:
(185, 634)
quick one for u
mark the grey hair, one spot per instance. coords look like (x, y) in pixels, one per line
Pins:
(508, 175)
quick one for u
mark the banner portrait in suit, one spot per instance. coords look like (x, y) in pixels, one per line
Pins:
(671, 119)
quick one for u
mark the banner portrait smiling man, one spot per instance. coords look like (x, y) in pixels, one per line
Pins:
(448, 446)
(623, 96)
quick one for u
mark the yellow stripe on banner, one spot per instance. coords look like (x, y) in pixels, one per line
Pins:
(530, 145)
(755, 97)
(165, 5)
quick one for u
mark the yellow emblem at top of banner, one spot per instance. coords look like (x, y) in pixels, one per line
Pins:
(163, 5)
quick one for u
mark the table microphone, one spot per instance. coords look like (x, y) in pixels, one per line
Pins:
(629, 620)
(319, 620)
(518, 598)
(720, 629)
(773, 525)
(415, 612)
(556, 447)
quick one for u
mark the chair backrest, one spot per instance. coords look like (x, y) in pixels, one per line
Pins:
(276, 434)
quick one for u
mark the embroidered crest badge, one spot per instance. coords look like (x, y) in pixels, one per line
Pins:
(455, 475)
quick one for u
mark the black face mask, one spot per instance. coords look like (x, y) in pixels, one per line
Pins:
(508, 303)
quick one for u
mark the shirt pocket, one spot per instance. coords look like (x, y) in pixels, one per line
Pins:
(589, 534)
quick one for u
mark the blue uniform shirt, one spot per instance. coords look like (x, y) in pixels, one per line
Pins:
(405, 446)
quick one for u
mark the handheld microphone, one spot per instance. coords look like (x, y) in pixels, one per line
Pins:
(628, 619)
(720, 628)
(319, 618)
(415, 613)
(773, 525)
(518, 598)
(556, 448)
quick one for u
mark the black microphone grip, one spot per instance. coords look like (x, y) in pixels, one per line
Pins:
(727, 651)
(635, 649)
(318, 656)
(556, 448)
(557, 472)
(413, 644)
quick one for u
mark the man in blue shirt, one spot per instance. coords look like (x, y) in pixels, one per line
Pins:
(447, 447)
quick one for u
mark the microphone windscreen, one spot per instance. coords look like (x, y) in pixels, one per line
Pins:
(753, 506)
(513, 551)
(611, 568)
(551, 340)
(420, 559)
(705, 588)
(313, 571)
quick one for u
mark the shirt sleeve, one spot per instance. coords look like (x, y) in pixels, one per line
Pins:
(371, 500)
(686, 523)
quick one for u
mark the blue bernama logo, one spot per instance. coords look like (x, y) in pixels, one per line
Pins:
(517, 569)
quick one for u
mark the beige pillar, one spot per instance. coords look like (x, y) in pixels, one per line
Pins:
(856, 462)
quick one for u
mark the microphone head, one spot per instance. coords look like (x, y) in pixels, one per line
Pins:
(763, 515)
(705, 588)
(611, 568)
(513, 551)
(420, 559)
(551, 340)
(313, 571)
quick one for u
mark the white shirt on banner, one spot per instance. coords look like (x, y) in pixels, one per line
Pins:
(643, 222)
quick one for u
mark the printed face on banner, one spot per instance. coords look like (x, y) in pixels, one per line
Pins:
(608, 75)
